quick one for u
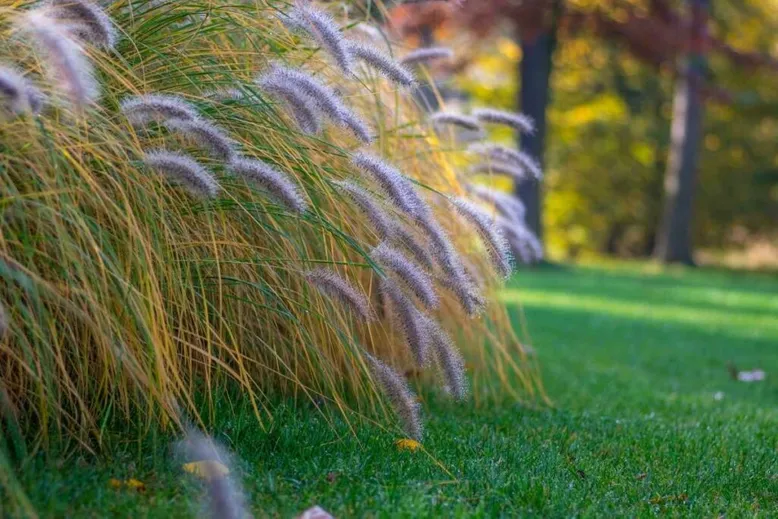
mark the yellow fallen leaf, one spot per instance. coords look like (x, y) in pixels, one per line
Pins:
(134, 484)
(206, 469)
(406, 444)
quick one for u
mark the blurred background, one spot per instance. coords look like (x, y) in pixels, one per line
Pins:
(656, 118)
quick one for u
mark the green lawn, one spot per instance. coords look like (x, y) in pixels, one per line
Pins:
(632, 360)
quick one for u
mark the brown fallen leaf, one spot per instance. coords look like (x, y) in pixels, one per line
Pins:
(640, 476)
(315, 512)
(332, 476)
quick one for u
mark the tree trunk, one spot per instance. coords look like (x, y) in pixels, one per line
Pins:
(535, 70)
(674, 236)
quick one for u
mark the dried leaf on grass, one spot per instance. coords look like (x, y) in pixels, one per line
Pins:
(206, 469)
(406, 444)
(132, 484)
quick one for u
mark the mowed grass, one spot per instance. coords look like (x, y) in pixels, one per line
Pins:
(632, 357)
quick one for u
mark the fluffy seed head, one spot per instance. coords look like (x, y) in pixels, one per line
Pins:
(183, 170)
(141, 110)
(206, 135)
(448, 258)
(509, 206)
(324, 98)
(325, 31)
(392, 182)
(507, 155)
(303, 108)
(454, 119)
(86, 20)
(383, 63)
(369, 207)
(522, 241)
(18, 93)
(448, 358)
(410, 320)
(334, 286)
(401, 398)
(406, 238)
(490, 234)
(276, 183)
(414, 277)
(517, 173)
(427, 54)
(516, 121)
(224, 496)
(68, 67)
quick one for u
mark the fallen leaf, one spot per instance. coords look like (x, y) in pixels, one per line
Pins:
(134, 484)
(315, 512)
(406, 444)
(332, 476)
(640, 476)
(206, 469)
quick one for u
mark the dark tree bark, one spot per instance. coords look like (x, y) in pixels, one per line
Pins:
(674, 240)
(535, 79)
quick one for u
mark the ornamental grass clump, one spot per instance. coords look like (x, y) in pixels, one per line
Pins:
(126, 294)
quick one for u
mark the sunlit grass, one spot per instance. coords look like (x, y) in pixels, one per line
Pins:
(636, 430)
(132, 303)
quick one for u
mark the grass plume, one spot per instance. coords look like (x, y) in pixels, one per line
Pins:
(490, 234)
(400, 192)
(339, 289)
(183, 170)
(272, 180)
(414, 277)
(140, 110)
(402, 399)
(303, 108)
(68, 68)
(426, 54)
(383, 226)
(206, 134)
(409, 318)
(497, 152)
(322, 96)
(325, 31)
(454, 119)
(517, 121)
(448, 359)
(383, 63)
(498, 168)
(19, 94)
(86, 20)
